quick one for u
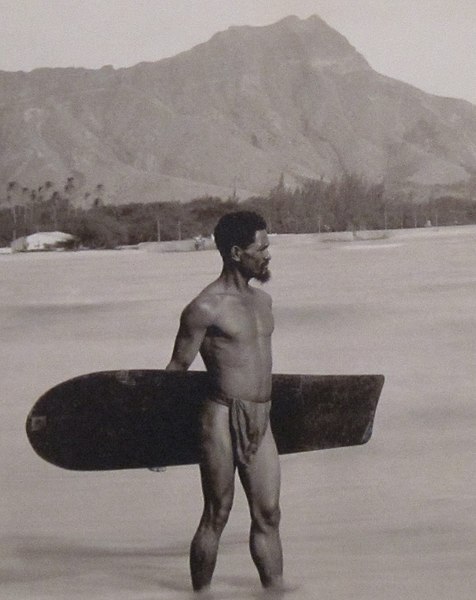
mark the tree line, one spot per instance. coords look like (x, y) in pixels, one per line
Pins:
(346, 203)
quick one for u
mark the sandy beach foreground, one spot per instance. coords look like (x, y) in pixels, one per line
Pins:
(389, 520)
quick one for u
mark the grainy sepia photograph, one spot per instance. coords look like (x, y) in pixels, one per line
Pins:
(237, 299)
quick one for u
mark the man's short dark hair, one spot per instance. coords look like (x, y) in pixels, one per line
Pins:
(237, 229)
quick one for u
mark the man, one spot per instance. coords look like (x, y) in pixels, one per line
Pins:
(230, 323)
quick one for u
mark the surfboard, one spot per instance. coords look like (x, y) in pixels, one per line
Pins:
(150, 418)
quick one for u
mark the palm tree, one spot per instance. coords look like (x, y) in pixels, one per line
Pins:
(98, 200)
(55, 198)
(25, 192)
(33, 201)
(11, 187)
(69, 185)
(69, 189)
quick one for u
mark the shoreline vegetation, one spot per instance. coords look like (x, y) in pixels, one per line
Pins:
(348, 205)
(359, 238)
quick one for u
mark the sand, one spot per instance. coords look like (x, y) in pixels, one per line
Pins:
(389, 520)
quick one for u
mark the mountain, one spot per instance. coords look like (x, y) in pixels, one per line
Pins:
(232, 114)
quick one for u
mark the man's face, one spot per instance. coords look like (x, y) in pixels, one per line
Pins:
(255, 258)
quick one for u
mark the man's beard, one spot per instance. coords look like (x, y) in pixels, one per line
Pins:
(264, 275)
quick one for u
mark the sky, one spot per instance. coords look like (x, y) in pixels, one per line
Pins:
(428, 43)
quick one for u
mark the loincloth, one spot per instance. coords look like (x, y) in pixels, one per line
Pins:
(248, 424)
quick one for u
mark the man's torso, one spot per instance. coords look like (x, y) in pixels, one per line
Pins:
(237, 346)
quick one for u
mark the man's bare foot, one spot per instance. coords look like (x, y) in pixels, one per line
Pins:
(279, 588)
(204, 593)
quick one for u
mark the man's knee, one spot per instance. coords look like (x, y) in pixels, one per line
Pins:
(266, 518)
(218, 515)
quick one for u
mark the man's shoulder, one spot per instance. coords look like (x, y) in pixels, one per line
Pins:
(262, 295)
(214, 300)
(205, 304)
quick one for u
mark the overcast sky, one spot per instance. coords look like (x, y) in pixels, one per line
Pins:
(428, 43)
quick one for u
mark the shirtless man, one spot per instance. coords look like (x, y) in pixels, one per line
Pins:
(230, 323)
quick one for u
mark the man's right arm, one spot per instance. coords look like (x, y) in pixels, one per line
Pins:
(194, 321)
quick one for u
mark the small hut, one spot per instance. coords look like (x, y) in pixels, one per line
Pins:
(42, 241)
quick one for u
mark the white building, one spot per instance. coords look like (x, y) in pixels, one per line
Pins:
(45, 240)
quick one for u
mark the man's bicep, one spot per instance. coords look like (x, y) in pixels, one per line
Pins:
(192, 330)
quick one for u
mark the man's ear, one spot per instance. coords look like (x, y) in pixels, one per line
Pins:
(235, 253)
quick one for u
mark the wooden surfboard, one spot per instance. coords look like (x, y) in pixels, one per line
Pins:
(149, 418)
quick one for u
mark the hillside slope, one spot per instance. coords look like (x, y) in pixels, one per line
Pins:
(231, 114)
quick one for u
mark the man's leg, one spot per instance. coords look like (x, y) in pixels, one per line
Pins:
(261, 481)
(217, 471)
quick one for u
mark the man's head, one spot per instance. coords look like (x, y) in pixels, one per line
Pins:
(242, 241)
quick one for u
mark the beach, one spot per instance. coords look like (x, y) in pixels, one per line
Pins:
(392, 519)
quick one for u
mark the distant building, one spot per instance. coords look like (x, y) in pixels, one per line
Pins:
(45, 240)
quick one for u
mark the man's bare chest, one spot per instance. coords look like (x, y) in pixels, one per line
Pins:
(244, 320)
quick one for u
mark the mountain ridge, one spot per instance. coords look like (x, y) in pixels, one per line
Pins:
(229, 116)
